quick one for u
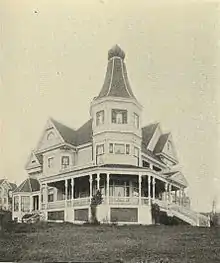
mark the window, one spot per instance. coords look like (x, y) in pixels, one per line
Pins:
(16, 203)
(50, 198)
(168, 145)
(0, 201)
(50, 136)
(100, 149)
(50, 162)
(110, 147)
(100, 117)
(127, 148)
(65, 161)
(119, 148)
(119, 116)
(25, 203)
(5, 200)
(136, 120)
(136, 154)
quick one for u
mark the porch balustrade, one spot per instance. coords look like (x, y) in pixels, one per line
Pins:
(81, 201)
(56, 204)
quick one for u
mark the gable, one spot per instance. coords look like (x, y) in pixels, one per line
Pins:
(177, 177)
(169, 149)
(50, 137)
(155, 137)
(32, 162)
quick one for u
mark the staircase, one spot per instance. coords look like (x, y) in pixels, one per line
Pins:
(184, 213)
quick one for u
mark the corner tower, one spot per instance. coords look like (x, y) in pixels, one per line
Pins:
(116, 116)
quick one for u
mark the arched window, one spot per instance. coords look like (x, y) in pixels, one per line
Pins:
(50, 136)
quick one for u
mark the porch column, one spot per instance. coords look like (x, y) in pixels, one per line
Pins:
(98, 181)
(19, 203)
(175, 196)
(139, 187)
(39, 201)
(66, 189)
(72, 188)
(31, 203)
(179, 196)
(166, 191)
(107, 188)
(154, 188)
(90, 187)
(170, 187)
(149, 189)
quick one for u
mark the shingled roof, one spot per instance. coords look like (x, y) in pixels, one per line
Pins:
(161, 143)
(75, 137)
(28, 185)
(116, 83)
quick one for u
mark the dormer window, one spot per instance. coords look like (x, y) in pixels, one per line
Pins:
(136, 120)
(100, 117)
(119, 116)
(65, 161)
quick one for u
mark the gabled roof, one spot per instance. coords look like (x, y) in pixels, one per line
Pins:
(75, 137)
(116, 83)
(148, 132)
(28, 185)
(68, 134)
(161, 143)
(177, 176)
(12, 185)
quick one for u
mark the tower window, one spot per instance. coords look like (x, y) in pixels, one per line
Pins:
(119, 116)
(100, 149)
(110, 147)
(127, 148)
(119, 148)
(136, 120)
(100, 117)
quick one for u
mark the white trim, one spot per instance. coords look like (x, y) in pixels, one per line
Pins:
(122, 71)
(110, 84)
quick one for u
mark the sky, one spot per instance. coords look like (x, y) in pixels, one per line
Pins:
(53, 60)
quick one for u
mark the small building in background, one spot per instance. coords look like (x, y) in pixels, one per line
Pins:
(6, 189)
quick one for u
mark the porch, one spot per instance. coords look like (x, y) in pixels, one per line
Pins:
(117, 189)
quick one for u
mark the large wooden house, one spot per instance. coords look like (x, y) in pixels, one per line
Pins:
(132, 166)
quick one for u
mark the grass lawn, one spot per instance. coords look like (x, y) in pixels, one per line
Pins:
(67, 242)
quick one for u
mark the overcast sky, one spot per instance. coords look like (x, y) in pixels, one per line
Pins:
(53, 61)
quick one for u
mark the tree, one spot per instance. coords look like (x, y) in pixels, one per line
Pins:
(155, 211)
(95, 201)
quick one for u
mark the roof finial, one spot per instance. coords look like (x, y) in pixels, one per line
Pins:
(116, 51)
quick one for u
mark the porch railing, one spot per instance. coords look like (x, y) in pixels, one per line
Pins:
(81, 201)
(56, 204)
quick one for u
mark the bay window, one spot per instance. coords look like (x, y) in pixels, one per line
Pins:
(25, 203)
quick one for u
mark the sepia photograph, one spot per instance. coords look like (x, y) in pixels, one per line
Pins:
(110, 131)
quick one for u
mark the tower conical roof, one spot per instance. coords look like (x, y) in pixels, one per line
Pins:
(116, 82)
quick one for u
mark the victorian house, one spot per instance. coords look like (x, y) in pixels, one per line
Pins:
(6, 189)
(132, 166)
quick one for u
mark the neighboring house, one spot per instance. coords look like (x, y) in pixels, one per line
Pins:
(133, 166)
(6, 189)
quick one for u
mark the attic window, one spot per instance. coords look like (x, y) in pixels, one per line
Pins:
(50, 136)
(33, 161)
(168, 145)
